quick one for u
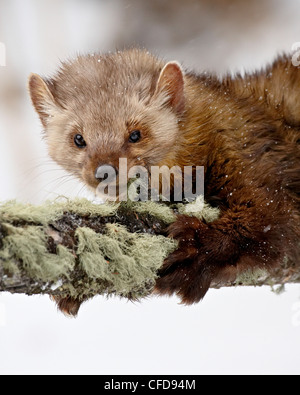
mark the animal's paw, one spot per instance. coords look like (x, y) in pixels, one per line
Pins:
(188, 271)
(67, 305)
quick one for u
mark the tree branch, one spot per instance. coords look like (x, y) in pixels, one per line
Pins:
(79, 249)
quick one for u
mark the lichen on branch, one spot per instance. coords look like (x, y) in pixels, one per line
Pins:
(80, 249)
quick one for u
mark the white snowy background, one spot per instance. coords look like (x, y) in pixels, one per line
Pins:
(233, 331)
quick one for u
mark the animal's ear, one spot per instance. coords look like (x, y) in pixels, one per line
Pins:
(41, 97)
(171, 82)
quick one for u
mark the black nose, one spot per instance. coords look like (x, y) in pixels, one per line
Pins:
(107, 173)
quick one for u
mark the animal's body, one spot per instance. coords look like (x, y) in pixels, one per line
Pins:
(245, 131)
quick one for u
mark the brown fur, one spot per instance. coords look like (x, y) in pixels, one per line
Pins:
(245, 131)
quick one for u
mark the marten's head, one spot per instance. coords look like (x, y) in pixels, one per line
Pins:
(98, 109)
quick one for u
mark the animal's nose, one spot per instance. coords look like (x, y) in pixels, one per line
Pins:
(106, 172)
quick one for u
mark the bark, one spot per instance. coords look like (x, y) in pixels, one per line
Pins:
(62, 232)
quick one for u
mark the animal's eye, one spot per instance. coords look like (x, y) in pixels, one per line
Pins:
(135, 136)
(79, 141)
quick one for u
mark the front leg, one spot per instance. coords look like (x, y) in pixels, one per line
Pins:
(256, 236)
(189, 270)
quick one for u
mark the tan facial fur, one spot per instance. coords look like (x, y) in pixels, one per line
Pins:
(104, 99)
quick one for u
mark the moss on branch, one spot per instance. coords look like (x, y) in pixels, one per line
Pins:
(80, 249)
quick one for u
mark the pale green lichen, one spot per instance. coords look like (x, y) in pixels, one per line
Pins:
(160, 211)
(51, 211)
(127, 261)
(278, 290)
(28, 245)
(251, 277)
(200, 209)
(116, 262)
(15, 211)
(86, 207)
(9, 265)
